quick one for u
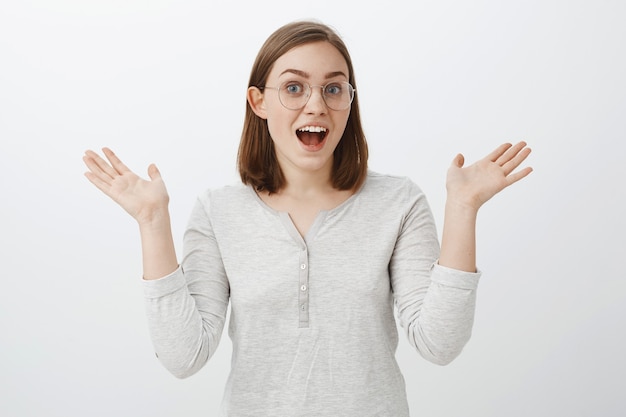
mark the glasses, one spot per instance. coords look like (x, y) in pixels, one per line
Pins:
(294, 95)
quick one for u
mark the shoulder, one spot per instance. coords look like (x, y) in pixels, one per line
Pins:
(226, 197)
(224, 206)
(391, 201)
(391, 187)
(389, 196)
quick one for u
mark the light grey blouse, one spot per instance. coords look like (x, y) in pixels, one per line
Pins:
(312, 319)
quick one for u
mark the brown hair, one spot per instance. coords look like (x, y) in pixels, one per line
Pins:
(256, 159)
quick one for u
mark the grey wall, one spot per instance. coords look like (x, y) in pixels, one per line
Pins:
(165, 81)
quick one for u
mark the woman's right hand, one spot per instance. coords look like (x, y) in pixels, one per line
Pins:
(146, 201)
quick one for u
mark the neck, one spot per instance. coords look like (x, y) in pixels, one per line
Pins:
(303, 183)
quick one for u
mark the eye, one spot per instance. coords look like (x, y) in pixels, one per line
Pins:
(293, 88)
(333, 89)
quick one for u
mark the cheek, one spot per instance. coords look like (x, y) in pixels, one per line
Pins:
(340, 125)
(278, 128)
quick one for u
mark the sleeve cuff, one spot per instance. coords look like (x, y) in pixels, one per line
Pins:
(166, 285)
(455, 278)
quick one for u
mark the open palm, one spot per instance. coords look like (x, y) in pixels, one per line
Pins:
(142, 199)
(477, 183)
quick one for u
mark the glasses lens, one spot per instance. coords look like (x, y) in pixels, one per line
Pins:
(337, 95)
(294, 95)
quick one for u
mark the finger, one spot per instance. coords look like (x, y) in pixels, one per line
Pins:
(510, 153)
(498, 152)
(458, 161)
(516, 161)
(99, 183)
(515, 177)
(90, 159)
(153, 172)
(115, 161)
(103, 168)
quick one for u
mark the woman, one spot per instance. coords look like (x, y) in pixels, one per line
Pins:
(312, 250)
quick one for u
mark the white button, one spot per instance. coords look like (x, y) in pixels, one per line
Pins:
(302, 307)
(303, 288)
(303, 266)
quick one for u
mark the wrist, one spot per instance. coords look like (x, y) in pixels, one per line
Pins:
(155, 220)
(461, 208)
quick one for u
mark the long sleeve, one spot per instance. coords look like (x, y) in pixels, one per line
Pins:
(311, 318)
(187, 309)
(435, 304)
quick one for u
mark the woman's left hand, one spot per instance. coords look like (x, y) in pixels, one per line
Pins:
(475, 184)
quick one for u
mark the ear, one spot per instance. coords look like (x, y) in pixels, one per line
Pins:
(256, 99)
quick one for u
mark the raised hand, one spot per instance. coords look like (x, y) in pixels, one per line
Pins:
(142, 199)
(475, 184)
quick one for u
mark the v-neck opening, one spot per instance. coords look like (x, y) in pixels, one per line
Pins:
(315, 225)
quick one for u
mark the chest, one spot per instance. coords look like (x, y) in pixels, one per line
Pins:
(273, 271)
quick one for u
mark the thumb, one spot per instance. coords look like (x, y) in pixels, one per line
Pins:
(458, 160)
(154, 172)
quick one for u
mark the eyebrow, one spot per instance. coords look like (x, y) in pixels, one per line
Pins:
(307, 75)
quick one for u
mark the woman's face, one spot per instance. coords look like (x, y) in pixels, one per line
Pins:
(305, 139)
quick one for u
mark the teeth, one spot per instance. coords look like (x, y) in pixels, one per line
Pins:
(315, 129)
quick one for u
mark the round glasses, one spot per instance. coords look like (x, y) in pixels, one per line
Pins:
(294, 95)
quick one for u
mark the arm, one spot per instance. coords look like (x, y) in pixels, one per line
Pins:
(186, 310)
(435, 304)
(468, 189)
(146, 201)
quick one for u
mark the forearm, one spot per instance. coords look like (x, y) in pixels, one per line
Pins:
(186, 312)
(458, 242)
(441, 325)
(181, 342)
(157, 245)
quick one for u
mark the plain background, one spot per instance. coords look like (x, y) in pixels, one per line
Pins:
(164, 81)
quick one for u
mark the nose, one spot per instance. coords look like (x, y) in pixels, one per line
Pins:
(316, 103)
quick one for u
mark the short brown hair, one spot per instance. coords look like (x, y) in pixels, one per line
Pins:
(256, 159)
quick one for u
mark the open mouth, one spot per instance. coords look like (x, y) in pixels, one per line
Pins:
(312, 136)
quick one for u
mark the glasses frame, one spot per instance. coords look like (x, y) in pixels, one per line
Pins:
(309, 93)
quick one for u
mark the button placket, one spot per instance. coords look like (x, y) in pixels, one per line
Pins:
(303, 293)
